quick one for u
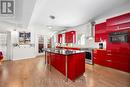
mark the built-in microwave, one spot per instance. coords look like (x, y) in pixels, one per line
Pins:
(119, 37)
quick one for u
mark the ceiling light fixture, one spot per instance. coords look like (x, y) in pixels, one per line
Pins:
(50, 27)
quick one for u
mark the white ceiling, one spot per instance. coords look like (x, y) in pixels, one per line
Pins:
(71, 12)
(68, 13)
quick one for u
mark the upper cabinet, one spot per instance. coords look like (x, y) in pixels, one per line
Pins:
(100, 32)
(118, 23)
(59, 38)
(70, 37)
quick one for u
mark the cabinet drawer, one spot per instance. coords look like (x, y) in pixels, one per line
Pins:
(120, 66)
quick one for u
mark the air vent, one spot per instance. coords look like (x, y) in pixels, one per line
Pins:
(52, 17)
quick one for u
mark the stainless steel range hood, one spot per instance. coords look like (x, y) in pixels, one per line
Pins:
(91, 31)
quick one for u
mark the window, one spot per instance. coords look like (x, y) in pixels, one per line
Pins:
(83, 39)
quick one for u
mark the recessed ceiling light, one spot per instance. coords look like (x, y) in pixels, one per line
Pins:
(50, 27)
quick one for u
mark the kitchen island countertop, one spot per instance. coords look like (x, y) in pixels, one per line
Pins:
(63, 51)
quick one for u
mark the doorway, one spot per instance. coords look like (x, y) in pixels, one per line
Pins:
(3, 44)
(40, 44)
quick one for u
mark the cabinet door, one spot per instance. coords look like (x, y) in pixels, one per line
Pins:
(119, 27)
(100, 57)
(67, 37)
(80, 66)
(118, 59)
(74, 36)
(59, 38)
(121, 66)
(97, 37)
(70, 37)
(100, 31)
(124, 26)
(109, 58)
(125, 18)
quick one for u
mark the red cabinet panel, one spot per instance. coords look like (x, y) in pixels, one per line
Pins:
(119, 27)
(97, 37)
(125, 18)
(113, 58)
(100, 28)
(59, 38)
(118, 23)
(117, 55)
(100, 57)
(76, 64)
(100, 32)
(124, 26)
(120, 66)
(70, 37)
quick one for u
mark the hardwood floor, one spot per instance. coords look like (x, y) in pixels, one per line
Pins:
(34, 73)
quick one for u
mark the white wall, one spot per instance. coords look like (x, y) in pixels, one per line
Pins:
(23, 52)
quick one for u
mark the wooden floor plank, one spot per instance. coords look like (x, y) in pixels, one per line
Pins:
(34, 73)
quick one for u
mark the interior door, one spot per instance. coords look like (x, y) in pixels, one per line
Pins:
(40, 43)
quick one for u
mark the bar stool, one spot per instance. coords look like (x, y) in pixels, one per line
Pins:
(1, 57)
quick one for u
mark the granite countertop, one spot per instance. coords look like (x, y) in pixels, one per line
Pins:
(63, 51)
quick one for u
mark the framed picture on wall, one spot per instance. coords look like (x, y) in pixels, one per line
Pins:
(24, 38)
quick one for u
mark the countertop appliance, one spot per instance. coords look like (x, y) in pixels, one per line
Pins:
(88, 55)
(100, 45)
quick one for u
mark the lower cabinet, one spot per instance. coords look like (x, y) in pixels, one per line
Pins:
(112, 59)
(100, 57)
(76, 64)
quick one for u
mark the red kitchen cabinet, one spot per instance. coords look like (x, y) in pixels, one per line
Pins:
(70, 37)
(115, 28)
(117, 55)
(97, 37)
(118, 60)
(113, 58)
(100, 57)
(76, 64)
(125, 18)
(121, 66)
(121, 22)
(100, 32)
(59, 38)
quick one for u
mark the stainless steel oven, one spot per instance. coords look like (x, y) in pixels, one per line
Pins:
(88, 55)
(89, 58)
(119, 37)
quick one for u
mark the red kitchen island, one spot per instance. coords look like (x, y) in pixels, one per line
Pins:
(70, 63)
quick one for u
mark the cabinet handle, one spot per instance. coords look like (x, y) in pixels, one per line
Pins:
(108, 50)
(109, 54)
(109, 60)
(124, 28)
